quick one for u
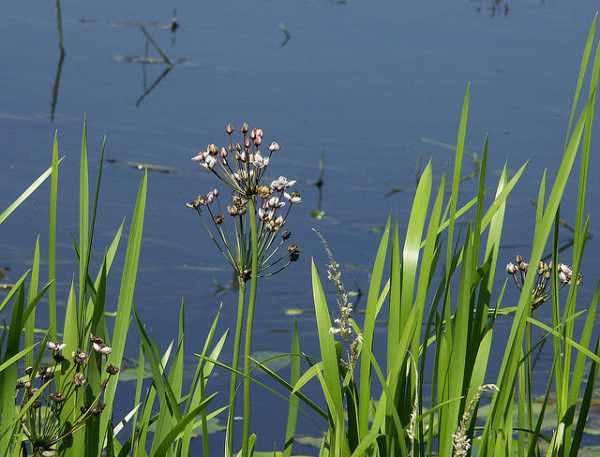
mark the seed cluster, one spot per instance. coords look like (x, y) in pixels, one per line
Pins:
(47, 389)
(519, 269)
(241, 166)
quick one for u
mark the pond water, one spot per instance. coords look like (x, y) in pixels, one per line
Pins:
(374, 88)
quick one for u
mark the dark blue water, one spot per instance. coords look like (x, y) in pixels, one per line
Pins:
(372, 87)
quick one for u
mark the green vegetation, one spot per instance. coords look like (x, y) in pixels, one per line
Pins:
(432, 391)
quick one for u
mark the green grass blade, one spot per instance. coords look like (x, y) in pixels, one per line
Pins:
(368, 332)
(126, 294)
(292, 417)
(52, 318)
(25, 195)
(33, 291)
(456, 178)
(168, 440)
(585, 60)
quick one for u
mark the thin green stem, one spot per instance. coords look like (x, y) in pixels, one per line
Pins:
(235, 363)
(249, 323)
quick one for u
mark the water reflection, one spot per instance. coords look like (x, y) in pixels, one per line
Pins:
(495, 8)
(318, 212)
(56, 84)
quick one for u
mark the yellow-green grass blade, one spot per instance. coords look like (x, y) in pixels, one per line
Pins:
(329, 356)
(33, 291)
(394, 314)
(583, 66)
(585, 406)
(292, 417)
(8, 377)
(14, 290)
(427, 264)
(84, 230)
(126, 294)
(506, 377)
(585, 339)
(15, 358)
(368, 332)
(456, 178)
(176, 430)
(25, 195)
(174, 380)
(53, 211)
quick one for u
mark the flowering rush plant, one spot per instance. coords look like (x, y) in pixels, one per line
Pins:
(54, 395)
(241, 167)
(249, 231)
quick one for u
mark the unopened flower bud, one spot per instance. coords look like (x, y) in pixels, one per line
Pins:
(229, 129)
(274, 146)
(111, 369)
(293, 252)
(245, 127)
(79, 379)
(213, 150)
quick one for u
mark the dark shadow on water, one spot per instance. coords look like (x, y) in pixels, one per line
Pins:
(56, 85)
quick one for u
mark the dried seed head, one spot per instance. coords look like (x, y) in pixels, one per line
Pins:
(102, 348)
(293, 197)
(219, 219)
(79, 379)
(57, 397)
(98, 408)
(79, 357)
(293, 252)
(28, 371)
(264, 191)
(286, 235)
(55, 346)
(111, 369)
(274, 146)
(96, 339)
(212, 149)
(511, 268)
(246, 274)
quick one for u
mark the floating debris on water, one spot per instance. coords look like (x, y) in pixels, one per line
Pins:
(286, 34)
(144, 166)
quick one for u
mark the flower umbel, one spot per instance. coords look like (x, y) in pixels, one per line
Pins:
(242, 166)
(45, 424)
(540, 294)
